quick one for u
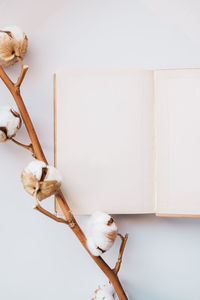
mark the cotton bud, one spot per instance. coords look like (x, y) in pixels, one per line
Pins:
(104, 292)
(101, 233)
(13, 44)
(41, 180)
(10, 122)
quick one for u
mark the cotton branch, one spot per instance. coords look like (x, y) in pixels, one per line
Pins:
(15, 91)
(121, 251)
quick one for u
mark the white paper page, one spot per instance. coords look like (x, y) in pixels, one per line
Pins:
(105, 140)
(178, 141)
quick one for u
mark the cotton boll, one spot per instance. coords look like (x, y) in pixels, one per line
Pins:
(53, 174)
(93, 248)
(41, 180)
(101, 233)
(105, 292)
(13, 44)
(100, 238)
(102, 225)
(35, 168)
(10, 122)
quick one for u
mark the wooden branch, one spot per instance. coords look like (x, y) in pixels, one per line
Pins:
(121, 251)
(38, 207)
(15, 91)
(28, 147)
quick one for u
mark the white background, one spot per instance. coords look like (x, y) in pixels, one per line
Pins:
(40, 259)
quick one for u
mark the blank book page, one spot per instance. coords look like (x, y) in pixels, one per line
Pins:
(178, 141)
(104, 144)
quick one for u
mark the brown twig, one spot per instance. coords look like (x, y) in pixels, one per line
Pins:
(24, 69)
(121, 251)
(38, 207)
(15, 91)
(28, 147)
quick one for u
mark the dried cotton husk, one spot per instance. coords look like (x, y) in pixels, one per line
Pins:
(101, 233)
(41, 180)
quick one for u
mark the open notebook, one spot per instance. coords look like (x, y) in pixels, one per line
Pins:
(128, 142)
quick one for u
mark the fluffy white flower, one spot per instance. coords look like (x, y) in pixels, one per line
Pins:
(13, 44)
(104, 292)
(53, 174)
(101, 233)
(10, 122)
(41, 180)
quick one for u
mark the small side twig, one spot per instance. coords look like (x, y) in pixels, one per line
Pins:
(28, 147)
(24, 69)
(38, 207)
(121, 251)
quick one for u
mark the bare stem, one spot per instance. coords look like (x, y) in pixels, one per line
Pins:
(38, 207)
(24, 69)
(28, 147)
(121, 251)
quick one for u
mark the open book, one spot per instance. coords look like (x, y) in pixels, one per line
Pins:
(128, 142)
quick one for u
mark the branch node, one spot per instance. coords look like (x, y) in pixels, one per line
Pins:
(71, 222)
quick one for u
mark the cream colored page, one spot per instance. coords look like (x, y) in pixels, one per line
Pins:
(105, 140)
(178, 141)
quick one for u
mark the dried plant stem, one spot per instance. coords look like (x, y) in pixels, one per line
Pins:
(38, 152)
(28, 147)
(121, 252)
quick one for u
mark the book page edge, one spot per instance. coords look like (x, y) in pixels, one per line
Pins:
(167, 215)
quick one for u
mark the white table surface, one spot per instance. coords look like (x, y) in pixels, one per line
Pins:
(40, 259)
